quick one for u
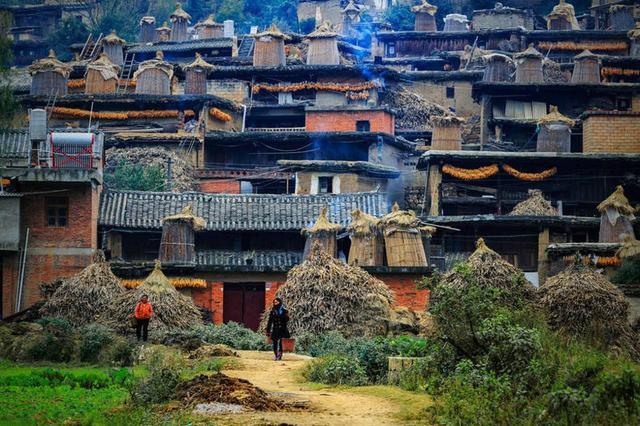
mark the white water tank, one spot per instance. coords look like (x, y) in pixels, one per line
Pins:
(37, 124)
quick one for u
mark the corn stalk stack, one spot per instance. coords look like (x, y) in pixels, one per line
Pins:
(325, 294)
(490, 271)
(582, 303)
(171, 309)
(84, 296)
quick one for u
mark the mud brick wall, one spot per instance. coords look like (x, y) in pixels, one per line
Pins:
(611, 131)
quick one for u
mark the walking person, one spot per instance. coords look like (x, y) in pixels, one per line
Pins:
(277, 327)
(143, 313)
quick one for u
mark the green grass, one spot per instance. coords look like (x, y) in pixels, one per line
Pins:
(56, 405)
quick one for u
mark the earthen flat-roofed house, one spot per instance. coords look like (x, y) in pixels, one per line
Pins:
(49, 211)
(247, 245)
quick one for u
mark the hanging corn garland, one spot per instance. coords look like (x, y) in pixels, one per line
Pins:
(608, 261)
(579, 46)
(471, 174)
(531, 177)
(120, 115)
(177, 282)
(310, 85)
(607, 71)
(219, 115)
(80, 83)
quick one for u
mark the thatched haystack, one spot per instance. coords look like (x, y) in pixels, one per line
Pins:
(634, 37)
(491, 271)
(196, 76)
(171, 309)
(269, 48)
(562, 17)
(49, 76)
(163, 33)
(178, 237)
(455, 22)
(582, 303)
(84, 296)
(323, 46)
(367, 244)
(425, 16)
(324, 232)
(498, 68)
(630, 248)
(403, 238)
(617, 217)
(586, 68)
(447, 132)
(209, 28)
(180, 22)
(154, 76)
(325, 294)
(555, 132)
(529, 66)
(147, 30)
(102, 76)
(113, 46)
(535, 205)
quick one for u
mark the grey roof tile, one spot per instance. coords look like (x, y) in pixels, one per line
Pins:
(234, 212)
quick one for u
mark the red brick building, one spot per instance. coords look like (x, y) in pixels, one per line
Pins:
(52, 231)
(249, 243)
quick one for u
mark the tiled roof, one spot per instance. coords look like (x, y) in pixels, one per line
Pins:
(230, 212)
(15, 144)
(212, 43)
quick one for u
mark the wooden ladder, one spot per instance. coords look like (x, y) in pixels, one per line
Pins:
(125, 73)
(91, 49)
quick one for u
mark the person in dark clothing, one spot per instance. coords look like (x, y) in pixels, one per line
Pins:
(277, 327)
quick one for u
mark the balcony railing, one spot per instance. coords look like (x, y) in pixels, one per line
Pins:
(271, 258)
(275, 129)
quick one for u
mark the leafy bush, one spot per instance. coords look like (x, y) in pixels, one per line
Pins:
(628, 273)
(93, 339)
(161, 383)
(336, 370)
(56, 342)
(233, 335)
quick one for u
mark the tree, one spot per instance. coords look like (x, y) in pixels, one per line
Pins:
(400, 17)
(69, 31)
(8, 105)
(135, 177)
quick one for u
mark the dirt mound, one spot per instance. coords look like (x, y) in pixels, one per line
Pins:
(227, 390)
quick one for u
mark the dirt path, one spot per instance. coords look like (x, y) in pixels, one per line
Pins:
(369, 405)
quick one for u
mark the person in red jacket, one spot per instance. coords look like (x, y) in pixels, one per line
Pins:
(143, 313)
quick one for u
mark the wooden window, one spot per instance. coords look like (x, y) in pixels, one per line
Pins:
(363, 126)
(325, 185)
(451, 92)
(57, 211)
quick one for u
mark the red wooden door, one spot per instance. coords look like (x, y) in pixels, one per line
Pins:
(243, 303)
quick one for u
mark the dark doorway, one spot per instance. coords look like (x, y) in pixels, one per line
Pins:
(243, 303)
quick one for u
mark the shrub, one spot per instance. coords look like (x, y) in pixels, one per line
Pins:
(93, 339)
(321, 344)
(55, 343)
(120, 352)
(233, 335)
(161, 383)
(336, 370)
